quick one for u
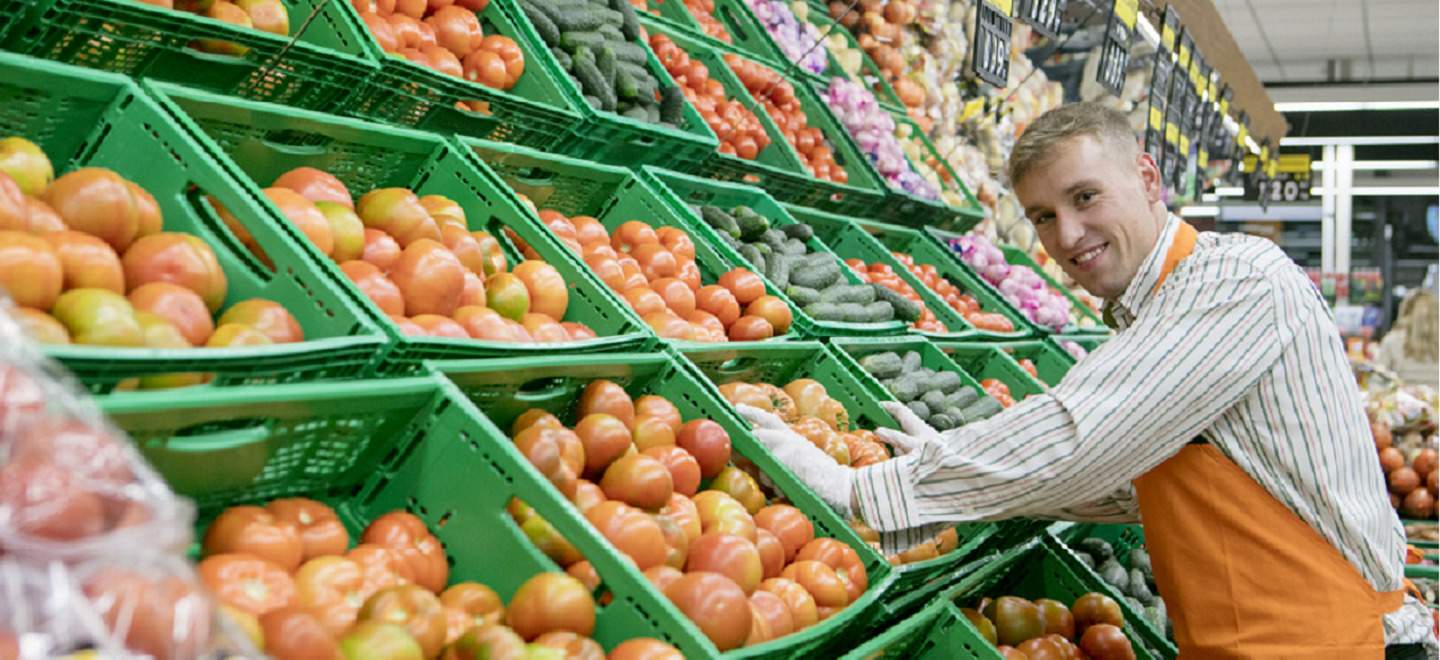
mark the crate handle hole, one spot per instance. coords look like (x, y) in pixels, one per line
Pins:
(736, 364)
(540, 389)
(206, 208)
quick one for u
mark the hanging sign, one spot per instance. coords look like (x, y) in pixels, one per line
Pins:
(1115, 47)
(990, 55)
(1043, 15)
(1283, 179)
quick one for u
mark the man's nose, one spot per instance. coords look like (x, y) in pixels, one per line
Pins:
(1069, 230)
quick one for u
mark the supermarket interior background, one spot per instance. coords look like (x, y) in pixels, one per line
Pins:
(411, 329)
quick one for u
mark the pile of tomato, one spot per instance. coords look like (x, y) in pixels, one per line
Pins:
(668, 494)
(1046, 629)
(778, 96)
(740, 131)
(999, 391)
(957, 299)
(884, 275)
(655, 272)
(444, 35)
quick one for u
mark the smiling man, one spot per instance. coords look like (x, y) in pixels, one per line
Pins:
(1222, 415)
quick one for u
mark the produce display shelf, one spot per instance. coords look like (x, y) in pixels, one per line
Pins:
(1018, 258)
(863, 189)
(986, 361)
(1051, 361)
(925, 252)
(938, 632)
(684, 193)
(748, 37)
(86, 118)
(535, 112)
(1123, 538)
(849, 241)
(611, 195)
(1087, 342)
(608, 137)
(1046, 568)
(777, 159)
(318, 67)
(752, 362)
(258, 142)
(370, 447)
(958, 219)
(870, 74)
(850, 350)
(502, 389)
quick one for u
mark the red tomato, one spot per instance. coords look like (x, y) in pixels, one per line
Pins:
(254, 530)
(408, 537)
(412, 607)
(293, 633)
(333, 589)
(321, 532)
(550, 602)
(717, 606)
(247, 583)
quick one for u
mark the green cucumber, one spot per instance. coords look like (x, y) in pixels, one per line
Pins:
(905, 310)
(799, 231)
(847, 293)
(802, 295)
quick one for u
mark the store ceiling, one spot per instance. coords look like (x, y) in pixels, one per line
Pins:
(1296, 41)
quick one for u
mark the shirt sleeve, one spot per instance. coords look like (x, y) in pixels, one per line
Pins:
(1133, 403)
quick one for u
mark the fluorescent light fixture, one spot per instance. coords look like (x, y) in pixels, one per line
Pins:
(1199, 211)
(1345, 106)
(1359, 140)
(1209, 198)
(1254, 146)
(1147, 31)
(1374, 165)
(1383, 191)
(1230, 191)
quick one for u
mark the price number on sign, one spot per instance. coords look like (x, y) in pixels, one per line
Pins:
(1043, 15)
(990, 57)
(1115, 48)
(1288, 182)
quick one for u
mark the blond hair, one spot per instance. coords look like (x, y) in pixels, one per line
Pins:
(1418, 320)
(1037, 144)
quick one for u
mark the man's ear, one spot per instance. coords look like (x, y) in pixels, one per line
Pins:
(1149, 177)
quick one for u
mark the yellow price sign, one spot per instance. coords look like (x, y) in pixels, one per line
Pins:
(1203, 159)
(972, 108)
(1172, 133)
(1157, 119)
(1128, 11)
(1184, 144)
(1272, 168)
(1184, 54)
(1295, 163)
(1167, 37)
(1005, 6)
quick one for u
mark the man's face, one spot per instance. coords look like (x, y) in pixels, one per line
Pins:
(1091, 205)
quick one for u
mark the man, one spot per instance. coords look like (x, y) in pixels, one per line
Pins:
(1223, 416)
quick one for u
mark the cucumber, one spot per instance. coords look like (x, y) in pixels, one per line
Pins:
(983, 409)
(592, 102)
(882, 365)
(611, 33)
(591, 79)
(545, 27)
(904, 389)
(573, 41)
(816, 277)
(729, 240)
(947, 382)
(778, 270)
(1100, 548)
(630, 23)
(625, 86)
(799, 231)
(637, 113)
(919, 408)
(774, 238)
(877, 312)
(823, 311)
(802, 295)
(752, 224)
(794, 247)
(717, 217)
(943, 422)
(607, 63)
(857, 293)
(652, 111)
(905, 310)
(934, 399)
(911, 361)
(630, 52)
(752, 254)
(579, 20)
(962, 397)
(563, 59)
(818, 260)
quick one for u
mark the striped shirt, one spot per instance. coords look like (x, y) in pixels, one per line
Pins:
(1237, 346)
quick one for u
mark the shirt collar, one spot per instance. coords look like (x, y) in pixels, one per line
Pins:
(1143, 284)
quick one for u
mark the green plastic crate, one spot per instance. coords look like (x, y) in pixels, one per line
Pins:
(674, 14)
(371, 447)
(939, 632)
(1051, 362)
(608, 137)
(261, 141)
(863, 189)
(503, 389)
(87, 118)
(684, 192)
(535, 112)
(1123, 538)
(870, 74)
(964, 217)
(318, 68)
(849, 241)
(778, 365)
(925, 252)
(748, 37)
(1017, 258)
(984, 361)
(776, 159)
(612, 195)
(1045, 568)
(850, 349)
(1087, 342)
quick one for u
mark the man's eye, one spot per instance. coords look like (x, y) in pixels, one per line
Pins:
(1085, 197)
(1042, 218)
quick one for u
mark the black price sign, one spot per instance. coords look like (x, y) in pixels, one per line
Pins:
(1115, 48)
(1290, 182)
(1043, 15)
(990, 56)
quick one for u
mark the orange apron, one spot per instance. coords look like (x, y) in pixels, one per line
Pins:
(1243, 576)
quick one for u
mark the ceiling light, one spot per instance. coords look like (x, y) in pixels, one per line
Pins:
(1371, 165)
(1346, 106)
(1360, 140)
(1199, 211)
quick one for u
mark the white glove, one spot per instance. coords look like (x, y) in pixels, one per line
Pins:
(916, 431)
(813, 467)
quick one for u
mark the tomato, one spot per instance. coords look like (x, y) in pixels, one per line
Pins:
(772, 553)
(789, 525)
(638, 480)
(717, 606)
(821, 581)
(644, 648)
(677, 242)
(603, 396)
(741, 486)
(549, 602)
(412, 607)
(376, 640)
(773, 310)
(683, 511)
(1016, 619)
(321, 532)
(718, 301)
(605, 438)
(247, 583)
(1095, 608)
(406, 534)
(584, 572)
(632, 532)
(803, 611)
(751, 328)
(293, 633)
(678, 296)
(381, 566)
(729, 555)
(254, 530)
(766, 605)
(1071, 651)
(651, 405)
(167, 617)
(708, 442)
(541, 447)
(548, 540)
(744, 285)
(840, 557)
(721, 513)
(677, 540)
(333, 589)
(1103, 641)
(479, 604)
(982, 624)
(1056, 618)
(632, 233)
(1040, 648)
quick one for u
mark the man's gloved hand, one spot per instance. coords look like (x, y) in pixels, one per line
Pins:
(813, 467)
(916, 431)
